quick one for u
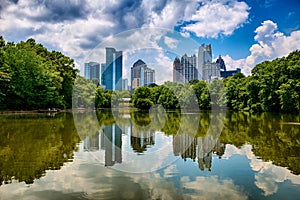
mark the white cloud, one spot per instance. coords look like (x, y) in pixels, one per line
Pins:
(84, 24)
(171, 42)
(268, 175)
(216, 18)
(271, 44)
(212, 188)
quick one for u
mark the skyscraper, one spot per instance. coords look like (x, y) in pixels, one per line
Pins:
(211, 71)
(112, 75)
(204, 56)
(226, 73)
(185, 69)
(189, 65)
(177, 71)
(141, 75)
(92, 70)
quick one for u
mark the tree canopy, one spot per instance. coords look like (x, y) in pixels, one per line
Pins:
(31, 77)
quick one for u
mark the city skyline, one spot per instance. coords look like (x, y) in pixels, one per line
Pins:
(245, 33)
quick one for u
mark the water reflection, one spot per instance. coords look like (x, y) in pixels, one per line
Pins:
(31, 144)
(255, 156)
(272, 138)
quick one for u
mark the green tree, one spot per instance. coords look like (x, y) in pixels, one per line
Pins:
(32, 77)
(141, 98)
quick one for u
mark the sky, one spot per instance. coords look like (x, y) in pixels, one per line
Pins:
(244, 33)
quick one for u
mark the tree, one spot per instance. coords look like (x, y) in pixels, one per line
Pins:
(31, 77)
(141, 98)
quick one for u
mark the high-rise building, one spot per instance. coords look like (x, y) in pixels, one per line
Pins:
(211, 71)
(189, 64)
(112, 74)
(125, 84)
(141, 75)
(221, 63)
(185, 69)
(204, 56)
(177, 71)
(226, 73)
(92, 70)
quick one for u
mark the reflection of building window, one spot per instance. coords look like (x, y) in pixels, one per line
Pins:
(140, 141)
(111, 142)
(187, 146)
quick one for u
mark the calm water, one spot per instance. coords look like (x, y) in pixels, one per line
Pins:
(123, 154)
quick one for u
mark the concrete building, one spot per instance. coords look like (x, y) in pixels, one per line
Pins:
(141, 75)
(177, 71)
(185, 69)
(204, 56)
(189, 64)
(211, 71)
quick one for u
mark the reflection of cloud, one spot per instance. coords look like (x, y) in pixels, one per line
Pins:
(268, 175)
(85, 178)
(212, 188)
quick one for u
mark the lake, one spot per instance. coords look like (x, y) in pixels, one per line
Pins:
(126, 154)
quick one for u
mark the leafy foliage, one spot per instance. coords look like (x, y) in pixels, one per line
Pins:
(32, 77)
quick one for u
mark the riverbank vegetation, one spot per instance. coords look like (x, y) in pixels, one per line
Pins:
(31, 77)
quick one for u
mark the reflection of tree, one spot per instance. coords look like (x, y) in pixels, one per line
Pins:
(31, 144)
(271, 137)
(141, 141)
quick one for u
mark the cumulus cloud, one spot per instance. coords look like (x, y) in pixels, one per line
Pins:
(76, 27)
(270, 44)
(171, 42)
(212, 188)
(216, 18)
(267, 175)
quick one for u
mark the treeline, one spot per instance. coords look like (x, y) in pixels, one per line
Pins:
(273, 86)
(31, 77)
(89, 94)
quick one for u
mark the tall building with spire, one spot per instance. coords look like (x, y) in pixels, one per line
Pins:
(112, 74)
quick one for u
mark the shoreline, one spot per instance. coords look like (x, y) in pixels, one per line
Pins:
(32, 111)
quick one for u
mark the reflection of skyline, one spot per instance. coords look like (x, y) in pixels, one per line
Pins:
(140, 140)
(109, 139)
(187, 146)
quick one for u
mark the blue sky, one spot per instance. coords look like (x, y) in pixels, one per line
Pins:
(243, 32)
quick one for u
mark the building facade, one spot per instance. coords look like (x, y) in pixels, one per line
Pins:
(177, 71)
(92, 70)
(211, 71)
(204, 57)
(125, 84)
(113, 70)
(141, 75)
(185, 69)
